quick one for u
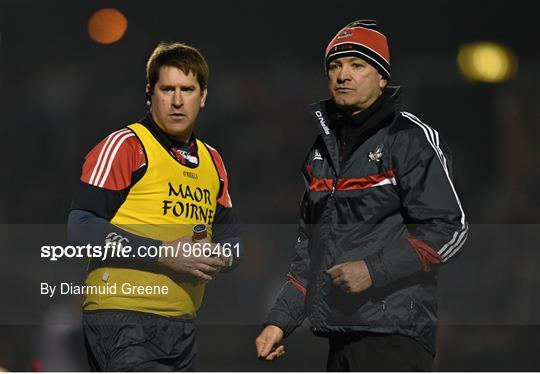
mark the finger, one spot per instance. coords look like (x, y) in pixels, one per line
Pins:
(267, 347)
(339, 280)
(345, 287)
(212, 261)
(334, 271)
(199, 274)
(207, 269)
(331, 270)
(259, 343)
(278, 352)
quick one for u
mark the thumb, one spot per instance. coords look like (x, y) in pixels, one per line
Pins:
(259, 343)
(333, 269)
(267, 346)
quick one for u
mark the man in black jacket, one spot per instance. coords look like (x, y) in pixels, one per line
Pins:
(379, 215)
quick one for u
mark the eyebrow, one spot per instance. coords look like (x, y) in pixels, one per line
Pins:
(184, 86)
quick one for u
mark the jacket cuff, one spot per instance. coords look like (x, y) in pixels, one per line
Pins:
(395, 261)
(375, 268)
(281, 320)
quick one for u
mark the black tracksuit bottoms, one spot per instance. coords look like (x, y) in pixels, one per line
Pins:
(119, 340)
(377, 352)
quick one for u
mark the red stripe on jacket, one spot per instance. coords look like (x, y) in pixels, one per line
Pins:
(428, 256)
(347, 184)
(296, 283)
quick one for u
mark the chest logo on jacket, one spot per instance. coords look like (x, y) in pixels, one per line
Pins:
(322, 122)
(317, 155)
(377, 154)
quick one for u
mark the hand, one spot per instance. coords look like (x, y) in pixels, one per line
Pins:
(267, 341)
(201, 267)
(352, 277)
(227, 260)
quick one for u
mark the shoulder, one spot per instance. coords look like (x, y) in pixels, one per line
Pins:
(408, 128)
(119, 154)
(216, 157)
(414, 136)
(123, 139)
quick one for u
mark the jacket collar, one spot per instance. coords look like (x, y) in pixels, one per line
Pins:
(185, 153)
(327, 117)
(321, 112)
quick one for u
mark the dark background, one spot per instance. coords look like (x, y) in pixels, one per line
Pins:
(61, 93)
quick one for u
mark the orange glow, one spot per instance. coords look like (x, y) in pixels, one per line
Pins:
(107, 26)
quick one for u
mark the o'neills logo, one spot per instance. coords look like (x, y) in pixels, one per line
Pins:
(344, 34)
(322, 122)
(192, 204)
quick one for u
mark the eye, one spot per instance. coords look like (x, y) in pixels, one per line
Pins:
(357, 65)
(167, 89)
(332, 67)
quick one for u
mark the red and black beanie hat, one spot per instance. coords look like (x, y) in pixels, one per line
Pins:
(363, 39)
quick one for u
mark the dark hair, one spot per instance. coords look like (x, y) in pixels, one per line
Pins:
(178, 55)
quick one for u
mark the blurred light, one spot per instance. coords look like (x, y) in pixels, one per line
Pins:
(107, 26)
(487, 62)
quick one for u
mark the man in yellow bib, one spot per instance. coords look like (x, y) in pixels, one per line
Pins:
(143, 187)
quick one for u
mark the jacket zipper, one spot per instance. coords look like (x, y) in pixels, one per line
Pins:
(334, 184)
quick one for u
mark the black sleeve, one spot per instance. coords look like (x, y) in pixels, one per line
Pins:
(289, 311)
(226, 224)
(226, 230)
(87, 228)
(101, 201)
(431, 208)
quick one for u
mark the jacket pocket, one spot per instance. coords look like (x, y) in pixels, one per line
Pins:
(377, 312)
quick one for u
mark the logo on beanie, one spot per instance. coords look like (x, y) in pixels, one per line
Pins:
(344, 34)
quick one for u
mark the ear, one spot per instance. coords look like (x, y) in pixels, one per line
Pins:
(382, 83)
(204, 93)
(148, 96)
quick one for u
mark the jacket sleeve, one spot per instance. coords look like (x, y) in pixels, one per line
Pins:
(435, 219)
(288, 311)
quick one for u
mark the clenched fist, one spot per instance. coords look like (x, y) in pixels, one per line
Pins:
(351, 277)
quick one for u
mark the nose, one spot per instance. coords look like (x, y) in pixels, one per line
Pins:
(343, 74)
(177, 100)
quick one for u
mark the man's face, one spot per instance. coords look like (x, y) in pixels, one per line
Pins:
(176, 101)
(353, 83)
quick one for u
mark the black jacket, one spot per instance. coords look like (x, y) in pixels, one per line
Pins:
(379, 189)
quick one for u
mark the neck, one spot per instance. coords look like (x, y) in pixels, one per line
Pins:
(181, 138)
(358, 109)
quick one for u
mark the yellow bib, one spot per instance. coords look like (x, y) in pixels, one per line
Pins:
(163, 205)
